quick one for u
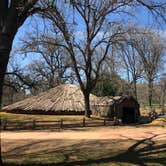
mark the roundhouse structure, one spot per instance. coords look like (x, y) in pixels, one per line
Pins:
(125, 108)
(65, 99)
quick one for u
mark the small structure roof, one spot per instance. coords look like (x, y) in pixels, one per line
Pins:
(110, 100)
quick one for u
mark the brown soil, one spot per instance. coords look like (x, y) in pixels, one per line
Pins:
(123, 132)
(81, 145)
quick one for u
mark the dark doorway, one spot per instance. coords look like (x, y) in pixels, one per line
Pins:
(128, 115)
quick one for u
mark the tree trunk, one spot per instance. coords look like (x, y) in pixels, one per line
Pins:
(150, 89)
(4, 58)
(5, 48)
(3, 65)
(163, 93)
(87, 105)
(135, 89)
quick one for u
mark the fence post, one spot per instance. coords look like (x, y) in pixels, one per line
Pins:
(22, 125)
(34, 124)
(5, 125)
(61, 123)
(83, 122)
(104, 122)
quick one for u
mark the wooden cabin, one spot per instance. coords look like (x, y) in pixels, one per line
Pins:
(125, 108)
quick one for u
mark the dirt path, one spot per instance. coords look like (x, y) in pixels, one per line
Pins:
(124, 132)
(110, 145)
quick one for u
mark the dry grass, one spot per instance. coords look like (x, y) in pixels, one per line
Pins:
(144, 110)
(159, 121)
(24, 117)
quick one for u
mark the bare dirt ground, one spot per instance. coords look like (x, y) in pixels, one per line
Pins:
(86, 146)
(123, 132)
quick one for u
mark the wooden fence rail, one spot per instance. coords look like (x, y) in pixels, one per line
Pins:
(58, 124)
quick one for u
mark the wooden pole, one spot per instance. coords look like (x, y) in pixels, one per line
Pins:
(5, 125)
(104, 122)
(83, 122)
(34, 124)
(61, 123)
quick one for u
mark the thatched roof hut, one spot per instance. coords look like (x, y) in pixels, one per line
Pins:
(63, 99)
(125, 108)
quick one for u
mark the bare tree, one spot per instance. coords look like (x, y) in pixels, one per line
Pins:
(16, 75)
(131, 62)
(150, 47)
(12, 16)
(94, 14)
(53, 65)
(163, 92)
(95, 37)
(13, 90)
(97, 30)
(14, 13)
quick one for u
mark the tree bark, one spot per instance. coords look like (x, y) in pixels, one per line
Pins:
(87, 104)
(163, 94)
(135, 89)
(3, 65)
(11, 18)
(150, 89)
(4, 58)
(5, 48)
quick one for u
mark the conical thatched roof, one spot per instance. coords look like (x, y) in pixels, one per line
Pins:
(63, 98)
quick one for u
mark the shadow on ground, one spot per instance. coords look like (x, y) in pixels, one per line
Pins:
(136, 152)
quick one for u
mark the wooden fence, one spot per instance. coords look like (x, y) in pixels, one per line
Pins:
(58, 124)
